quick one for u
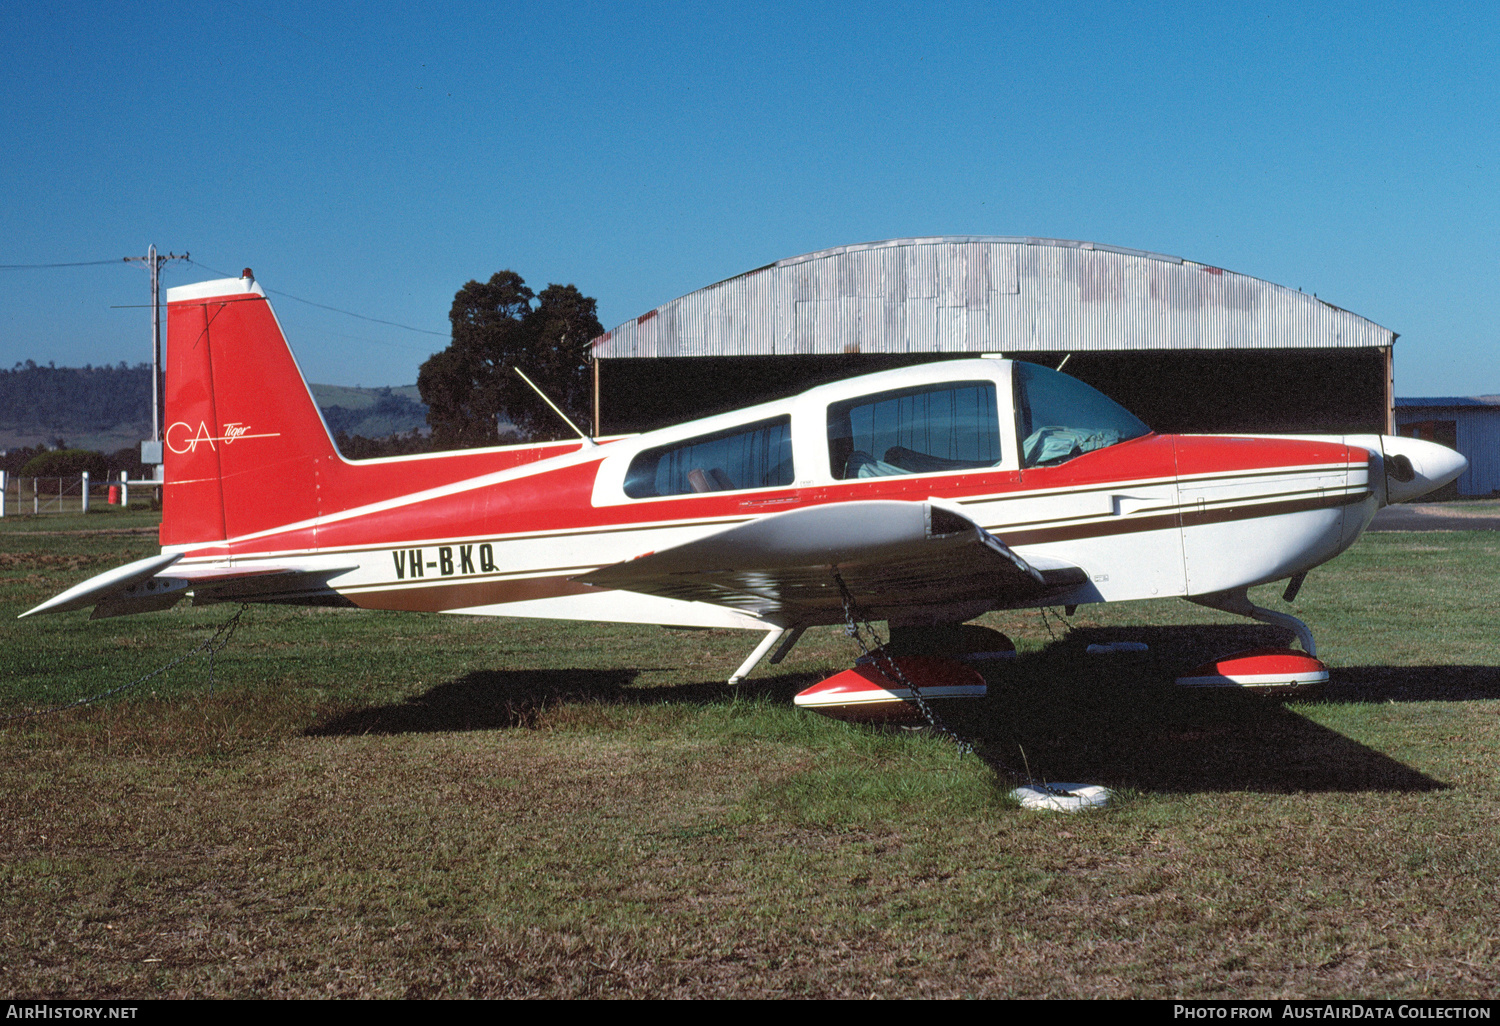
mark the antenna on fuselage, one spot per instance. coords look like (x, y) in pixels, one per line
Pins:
(555, 408)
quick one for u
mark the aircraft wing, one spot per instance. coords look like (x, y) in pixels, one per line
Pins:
(895, 558)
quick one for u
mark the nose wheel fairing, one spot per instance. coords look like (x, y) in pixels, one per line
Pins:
(1281, 671)
(1276, 671)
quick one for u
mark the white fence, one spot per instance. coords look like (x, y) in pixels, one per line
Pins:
(33, 496)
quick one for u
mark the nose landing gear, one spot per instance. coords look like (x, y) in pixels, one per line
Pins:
(1277, 671)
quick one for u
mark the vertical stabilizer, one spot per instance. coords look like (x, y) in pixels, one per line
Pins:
(245, 443)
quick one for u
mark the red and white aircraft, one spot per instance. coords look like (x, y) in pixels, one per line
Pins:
(927, 495)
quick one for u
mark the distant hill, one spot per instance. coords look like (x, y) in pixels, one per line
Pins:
(352, 397)
(371, 412)
(103, 408)
(109, 408)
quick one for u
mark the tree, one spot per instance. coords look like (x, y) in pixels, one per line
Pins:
(67, 463)
(496, 327)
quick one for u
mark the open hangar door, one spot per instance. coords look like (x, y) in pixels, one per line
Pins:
(1267, 391)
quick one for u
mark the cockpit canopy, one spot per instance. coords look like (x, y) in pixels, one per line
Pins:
(986, 414)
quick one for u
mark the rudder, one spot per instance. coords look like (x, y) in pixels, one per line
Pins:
(245, 443)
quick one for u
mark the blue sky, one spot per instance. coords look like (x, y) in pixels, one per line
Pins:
(374, 157)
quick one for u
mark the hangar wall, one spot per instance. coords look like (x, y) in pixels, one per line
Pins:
(1470, 424)
(1187, 346)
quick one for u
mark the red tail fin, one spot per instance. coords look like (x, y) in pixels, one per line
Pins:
(244, 439)
(247, 450)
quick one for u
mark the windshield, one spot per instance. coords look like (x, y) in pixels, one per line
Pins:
(1061, 418)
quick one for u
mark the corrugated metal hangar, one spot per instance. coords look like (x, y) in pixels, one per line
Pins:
(1186, 346)
(1470, 424)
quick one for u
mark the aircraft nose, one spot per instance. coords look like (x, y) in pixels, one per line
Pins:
(1414, 467)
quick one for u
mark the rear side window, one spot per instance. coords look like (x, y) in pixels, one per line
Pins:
(753, 456)
(952, 426)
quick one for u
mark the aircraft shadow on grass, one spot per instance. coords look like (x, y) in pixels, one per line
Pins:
(484, 700)
(1115, 719)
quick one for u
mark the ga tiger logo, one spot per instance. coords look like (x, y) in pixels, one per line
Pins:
(182, 439)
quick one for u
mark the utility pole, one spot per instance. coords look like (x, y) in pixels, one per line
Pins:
(153, 455)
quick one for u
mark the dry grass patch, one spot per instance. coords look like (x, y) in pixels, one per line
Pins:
(375, 805)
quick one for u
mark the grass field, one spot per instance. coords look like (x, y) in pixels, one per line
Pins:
(417, 805)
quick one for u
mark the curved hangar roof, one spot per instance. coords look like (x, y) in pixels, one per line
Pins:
(985, 294)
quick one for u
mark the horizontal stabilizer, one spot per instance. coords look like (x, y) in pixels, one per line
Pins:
(141, 587)
(262, 583)
(109, 583)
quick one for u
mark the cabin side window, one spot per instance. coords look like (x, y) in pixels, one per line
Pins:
(951, 426)
(1060, 418)
(751, 456)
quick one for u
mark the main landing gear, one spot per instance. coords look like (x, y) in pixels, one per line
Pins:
(1279, 671)
(889, 685)
(781, 638)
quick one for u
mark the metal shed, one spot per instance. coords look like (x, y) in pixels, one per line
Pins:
(1470, 424)
(1187, 345)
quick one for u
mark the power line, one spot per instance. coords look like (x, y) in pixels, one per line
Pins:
(410, 346)
(225, 274)
(322, 306)
(80, 263)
